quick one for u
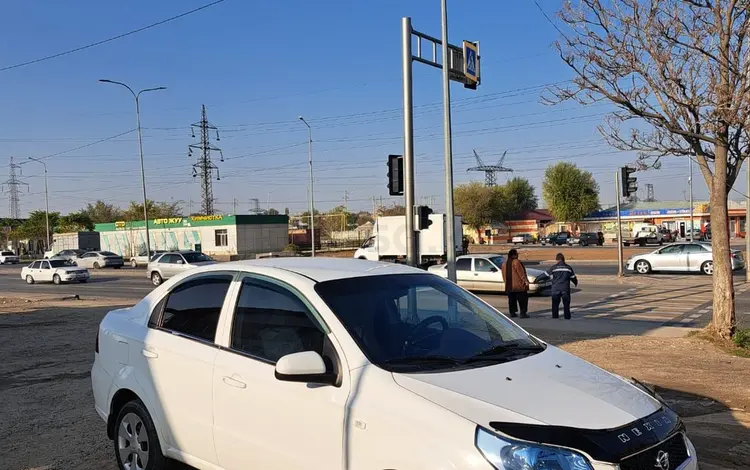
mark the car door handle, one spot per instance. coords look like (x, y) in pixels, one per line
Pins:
(476, 274)
(232, 382)
(149, 354)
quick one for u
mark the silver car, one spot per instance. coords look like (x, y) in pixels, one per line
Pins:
(100, 259)
(143, 260)
(478, 272)
(174, 262)
(681, 257)
(68, 255)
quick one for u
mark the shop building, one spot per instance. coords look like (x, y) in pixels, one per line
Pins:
(224, 237)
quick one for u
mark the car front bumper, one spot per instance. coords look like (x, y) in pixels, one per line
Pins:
(75, 277)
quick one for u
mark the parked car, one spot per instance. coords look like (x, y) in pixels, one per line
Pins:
(143, 260)
(100, 259)
(327, 364)
(8, 257)
(478, 272)
(172, 263)
(53, 270)
(681, 257)
(523, 238)
(556, 238)
(69, 255)
(585, 239)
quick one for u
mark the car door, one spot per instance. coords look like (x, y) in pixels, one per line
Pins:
(696, 255)
(262, 422)
(168, 265)
(34, 270)
(178, 359)
(487, 276)
(464, 275)
(86, 260)
(46, 272)
(670, 258)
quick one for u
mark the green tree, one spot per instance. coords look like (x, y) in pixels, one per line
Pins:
(478, 204)
(392, 210)
(517, 196)
(363, 218)
(571, 193)
(156, 210)
(75, 222)
(100, 212)
(272, 211)
(679, 69)
(35, 225)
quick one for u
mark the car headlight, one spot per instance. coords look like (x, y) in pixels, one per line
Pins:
(505, 454)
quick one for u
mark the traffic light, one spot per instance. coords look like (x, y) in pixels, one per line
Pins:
(423, 217)
(395, 175)
(628, 184)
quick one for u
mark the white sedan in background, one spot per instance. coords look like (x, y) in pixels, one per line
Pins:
(681, 257)
(53, 270)
(478, 272)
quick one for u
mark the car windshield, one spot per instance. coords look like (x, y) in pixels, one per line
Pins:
(58, 263)
(195, 257)
(416, 322)
(497, 260)
(8, 253)
(108, 253)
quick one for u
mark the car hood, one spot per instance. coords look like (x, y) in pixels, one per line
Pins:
(552, 388)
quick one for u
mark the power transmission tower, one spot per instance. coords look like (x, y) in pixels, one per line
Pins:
(11, 186)
(490, 178)
(346, 201)
(205, 167)
(650, 193)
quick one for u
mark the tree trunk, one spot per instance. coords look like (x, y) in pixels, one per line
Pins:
(723, 323)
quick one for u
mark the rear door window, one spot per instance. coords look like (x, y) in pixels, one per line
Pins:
(463, 264)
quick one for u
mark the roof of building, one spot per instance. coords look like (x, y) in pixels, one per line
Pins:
(536, 214)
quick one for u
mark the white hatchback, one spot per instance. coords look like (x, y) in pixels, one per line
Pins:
(332, 364)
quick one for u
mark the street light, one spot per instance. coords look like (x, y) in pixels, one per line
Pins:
(312, 191)
(46, 198)
(137, 96)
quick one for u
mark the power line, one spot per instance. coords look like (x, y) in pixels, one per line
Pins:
(113, 38)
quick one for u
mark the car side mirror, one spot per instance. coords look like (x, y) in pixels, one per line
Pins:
(306, 366)
(493, 270)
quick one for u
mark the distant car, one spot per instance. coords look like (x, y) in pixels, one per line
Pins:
(8, 257)
(174, 262)
(681, 257)
(53, 270)
(70, 255)
(482, 273)
(100, 259)
(585, 239)
(556, 238)
(523, 239)
(143, 260)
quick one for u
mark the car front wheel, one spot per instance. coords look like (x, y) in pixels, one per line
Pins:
(156, 278)
(136, 441)
(29, 280)
(642, 267)
(133, 263)
(707, 268)
(56, 279)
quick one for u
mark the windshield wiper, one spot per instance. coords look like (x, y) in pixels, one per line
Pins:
(504, 351)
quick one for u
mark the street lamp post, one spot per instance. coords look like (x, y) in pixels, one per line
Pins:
(46, 198)
(312, 190)
(137, 96)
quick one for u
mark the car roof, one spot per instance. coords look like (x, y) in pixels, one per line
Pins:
(319, 269)
(481, 255)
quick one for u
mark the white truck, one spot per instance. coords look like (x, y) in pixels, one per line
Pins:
(643, 234)
(86, 241)
(389, 241)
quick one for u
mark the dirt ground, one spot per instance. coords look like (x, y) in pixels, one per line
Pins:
(48, 421)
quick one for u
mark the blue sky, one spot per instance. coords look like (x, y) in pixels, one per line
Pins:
(259, 65)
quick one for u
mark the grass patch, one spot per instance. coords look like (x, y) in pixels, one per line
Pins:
(738, 346)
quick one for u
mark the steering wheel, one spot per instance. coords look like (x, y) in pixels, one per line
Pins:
(410, 341)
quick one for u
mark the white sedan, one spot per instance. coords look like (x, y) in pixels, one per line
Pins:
(482, 273)
(53, 270)
(333, 364)
(681, 257)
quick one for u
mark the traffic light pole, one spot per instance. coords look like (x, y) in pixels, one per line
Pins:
(619, 225)
(406, 62)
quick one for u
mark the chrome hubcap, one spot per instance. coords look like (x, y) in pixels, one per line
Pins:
(708, 268)
(132, 443)
(642, 267)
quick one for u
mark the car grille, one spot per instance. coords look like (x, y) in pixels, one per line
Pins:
(674, 447)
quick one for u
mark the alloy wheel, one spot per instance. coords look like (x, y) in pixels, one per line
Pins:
(642, 267)
(708, 268)
(132, 442)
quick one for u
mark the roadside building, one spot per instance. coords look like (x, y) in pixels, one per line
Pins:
(533, 222)
(221, 236)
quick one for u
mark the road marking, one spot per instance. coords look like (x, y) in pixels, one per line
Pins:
(686, 320)
(696, 315)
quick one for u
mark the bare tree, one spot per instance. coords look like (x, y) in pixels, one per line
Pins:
(681, 68)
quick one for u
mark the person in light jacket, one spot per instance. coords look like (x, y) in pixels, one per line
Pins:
(516, 285)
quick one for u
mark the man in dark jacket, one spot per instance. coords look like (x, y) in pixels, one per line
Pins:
(516, 284)
(562, 276)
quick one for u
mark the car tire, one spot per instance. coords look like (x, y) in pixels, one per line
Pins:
(642, 267)
(156, 279)
(56, 279)
(117, 267)
(96, 265)
(133, 263)
(29, 279)
(707, 268)
(136, 439)
(83, 281)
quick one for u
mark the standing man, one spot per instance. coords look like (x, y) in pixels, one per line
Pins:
(562, 276)
(516, 284)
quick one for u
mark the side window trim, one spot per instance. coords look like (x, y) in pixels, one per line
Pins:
(157, 314)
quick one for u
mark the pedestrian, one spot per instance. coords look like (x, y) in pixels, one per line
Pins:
(516, 284)
(562, 276)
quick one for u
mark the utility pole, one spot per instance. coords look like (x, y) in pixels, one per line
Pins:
(747, 222)
(137, 97)
(234, 206)
(406, 59)
(619, 225)
(690, 182)
(205, 167)
(14, 193)
(46, 199)
(312, 187)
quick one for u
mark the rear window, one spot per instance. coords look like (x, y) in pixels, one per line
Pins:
(195, 257)
(109, 253)
(8, 253)
(58, 263)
